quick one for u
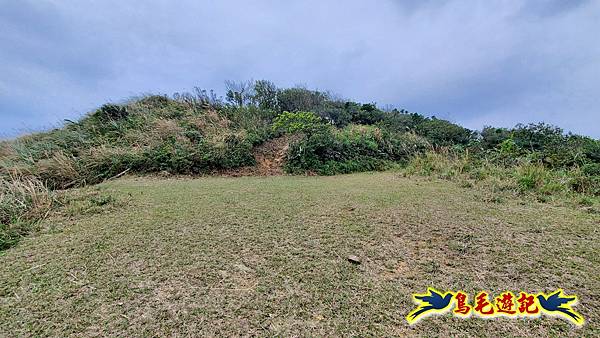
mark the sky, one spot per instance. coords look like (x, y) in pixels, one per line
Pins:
(476, 63)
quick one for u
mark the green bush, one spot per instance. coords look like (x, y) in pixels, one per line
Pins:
(582, 183)
(443, 133)
(305, 122)
(492, 137)
(111, 112)
(300, 99)
(351, 149)
(591, 169)
(400, 121)
(367, 114)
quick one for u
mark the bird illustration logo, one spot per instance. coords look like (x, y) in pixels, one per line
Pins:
(559, 304)
(429, 303)
(529, 305)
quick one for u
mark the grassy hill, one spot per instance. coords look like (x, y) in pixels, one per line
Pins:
(133, 220)
(262, 129)
(267, 256)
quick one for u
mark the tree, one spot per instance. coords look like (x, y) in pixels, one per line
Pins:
(300, 99)
(265, 95)
(444, 133)
(492, 137)
(240, 93)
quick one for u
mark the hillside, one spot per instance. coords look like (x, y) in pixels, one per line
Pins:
(267, 256)
(191, 214)
(259, 129)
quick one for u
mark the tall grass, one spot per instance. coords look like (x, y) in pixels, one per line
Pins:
(525, 177)
(145, 135)
(23, 200)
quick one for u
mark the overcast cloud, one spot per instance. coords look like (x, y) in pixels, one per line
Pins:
(472, 62)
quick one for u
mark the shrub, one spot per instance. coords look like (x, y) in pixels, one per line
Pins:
(336, 113)
(265, 95)
(234, 151)
(256, 122)
(591, 149)
(300, 99)
(364, 114)
(443, 133)
(305, 122)
(583, 183)
(111, 112)
(31, 148)
(492, 137)
(537, 136)
(531, 176)
(400, 121)
(198, 133)
(591, 169)
(427, 164)
(402, 146)
(354, 148)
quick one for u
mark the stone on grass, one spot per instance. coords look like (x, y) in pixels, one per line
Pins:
(354, 259)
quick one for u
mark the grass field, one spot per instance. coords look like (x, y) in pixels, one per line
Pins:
(267, 256)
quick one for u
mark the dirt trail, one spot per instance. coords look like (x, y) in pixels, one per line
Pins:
(270, 158)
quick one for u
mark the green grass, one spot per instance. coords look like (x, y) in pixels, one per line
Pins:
(267, 256)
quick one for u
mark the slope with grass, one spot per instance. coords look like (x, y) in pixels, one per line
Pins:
(267, 256)
(264, 130)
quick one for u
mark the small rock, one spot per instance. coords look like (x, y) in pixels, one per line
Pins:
(354, 259)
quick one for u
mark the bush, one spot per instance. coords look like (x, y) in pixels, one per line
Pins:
(111, 112)
(591, 148)
(443, 133)
(581, 182)
(305, 122)
(364, 114)
(233, 152)
(354, 148)
(300, 99)
(537, 136)
(531, 176)
(401, 121)
(492, 137)
(591, 169)
(199, 133)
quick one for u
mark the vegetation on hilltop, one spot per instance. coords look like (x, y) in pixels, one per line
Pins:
(200, 133)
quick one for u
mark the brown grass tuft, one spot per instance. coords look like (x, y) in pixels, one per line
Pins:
(61, 170)
(23, 198)
(6, 150)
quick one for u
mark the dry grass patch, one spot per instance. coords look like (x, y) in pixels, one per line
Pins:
(23, 200)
